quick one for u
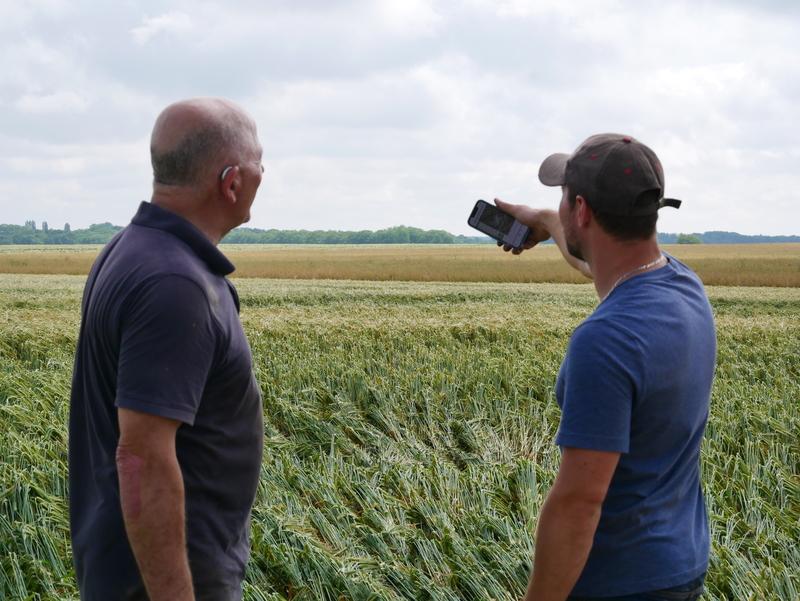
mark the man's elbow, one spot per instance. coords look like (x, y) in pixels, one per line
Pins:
(130, 461)
(582, 505)
(130, 467)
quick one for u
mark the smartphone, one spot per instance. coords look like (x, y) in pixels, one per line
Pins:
(498, 224)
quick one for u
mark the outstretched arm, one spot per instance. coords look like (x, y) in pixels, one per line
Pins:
(544, 224)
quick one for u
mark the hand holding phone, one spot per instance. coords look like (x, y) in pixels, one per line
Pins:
(498, 224)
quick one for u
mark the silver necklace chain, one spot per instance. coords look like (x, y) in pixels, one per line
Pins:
(628, 274)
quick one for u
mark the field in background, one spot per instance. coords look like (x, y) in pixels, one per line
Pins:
(717, 265)
(409, 437)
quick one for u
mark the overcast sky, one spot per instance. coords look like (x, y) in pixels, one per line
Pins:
(388, 112)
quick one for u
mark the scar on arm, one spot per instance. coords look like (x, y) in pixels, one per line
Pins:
(129, 467)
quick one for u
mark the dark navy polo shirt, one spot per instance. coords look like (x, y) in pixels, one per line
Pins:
(160, 334)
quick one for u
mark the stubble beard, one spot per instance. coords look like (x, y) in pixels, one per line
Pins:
(572, 245)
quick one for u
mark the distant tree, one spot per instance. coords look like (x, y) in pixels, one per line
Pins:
(59, 237)
(395, 235)
(26, 236)
(363, 237)
(31, 225)
(44, 227)
(689, 239)
(98, 233)
(66, 227)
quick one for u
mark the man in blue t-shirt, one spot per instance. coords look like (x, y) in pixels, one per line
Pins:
(166, 432)
(625, 518)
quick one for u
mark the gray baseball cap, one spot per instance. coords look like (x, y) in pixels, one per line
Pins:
(615, 173)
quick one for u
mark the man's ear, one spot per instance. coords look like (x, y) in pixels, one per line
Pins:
(582, 211)
(229, 184)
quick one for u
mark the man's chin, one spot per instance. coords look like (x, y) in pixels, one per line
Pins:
(575, 252)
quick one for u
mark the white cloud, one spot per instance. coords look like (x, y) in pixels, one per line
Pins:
(374, 193)
(171, 22)
(57, 102)
(408, 16)
(60, 182)
(33, 65)
(15, 16)
(34, 166)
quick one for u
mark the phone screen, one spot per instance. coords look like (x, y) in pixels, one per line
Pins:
(495, 218)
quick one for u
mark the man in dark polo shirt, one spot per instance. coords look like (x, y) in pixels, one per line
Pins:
(165, 425)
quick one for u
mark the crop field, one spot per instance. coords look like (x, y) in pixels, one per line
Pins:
(718, 265)
(409, 436)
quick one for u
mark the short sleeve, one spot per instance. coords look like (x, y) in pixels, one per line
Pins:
(167, 347)
(599, 386)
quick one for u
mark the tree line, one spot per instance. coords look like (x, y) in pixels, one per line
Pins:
(100, 233)
(400, 234)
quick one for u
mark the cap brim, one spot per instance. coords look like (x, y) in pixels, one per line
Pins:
(553, 169)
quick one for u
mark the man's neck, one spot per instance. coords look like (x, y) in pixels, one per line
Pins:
(613, 262)
(191, 210)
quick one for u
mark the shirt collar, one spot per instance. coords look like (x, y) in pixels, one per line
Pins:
(150, 215)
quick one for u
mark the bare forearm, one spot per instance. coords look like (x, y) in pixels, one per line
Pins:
(563, 540)
(151, 492)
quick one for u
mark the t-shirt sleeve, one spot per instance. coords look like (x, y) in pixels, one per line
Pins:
(600, 386)
(167, 347)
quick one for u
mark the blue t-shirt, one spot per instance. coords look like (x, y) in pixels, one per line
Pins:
(636, 380)
(161, 335)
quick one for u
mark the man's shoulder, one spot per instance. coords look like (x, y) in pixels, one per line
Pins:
(682, 269)
(142, 262)
(617, 331)
(653, 295)
(594, 327)
(601, 335)
(651, 314)
(148, 253)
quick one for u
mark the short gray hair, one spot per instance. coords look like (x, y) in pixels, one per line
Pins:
(183, 164)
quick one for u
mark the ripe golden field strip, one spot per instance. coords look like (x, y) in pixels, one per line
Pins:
(718, 265)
